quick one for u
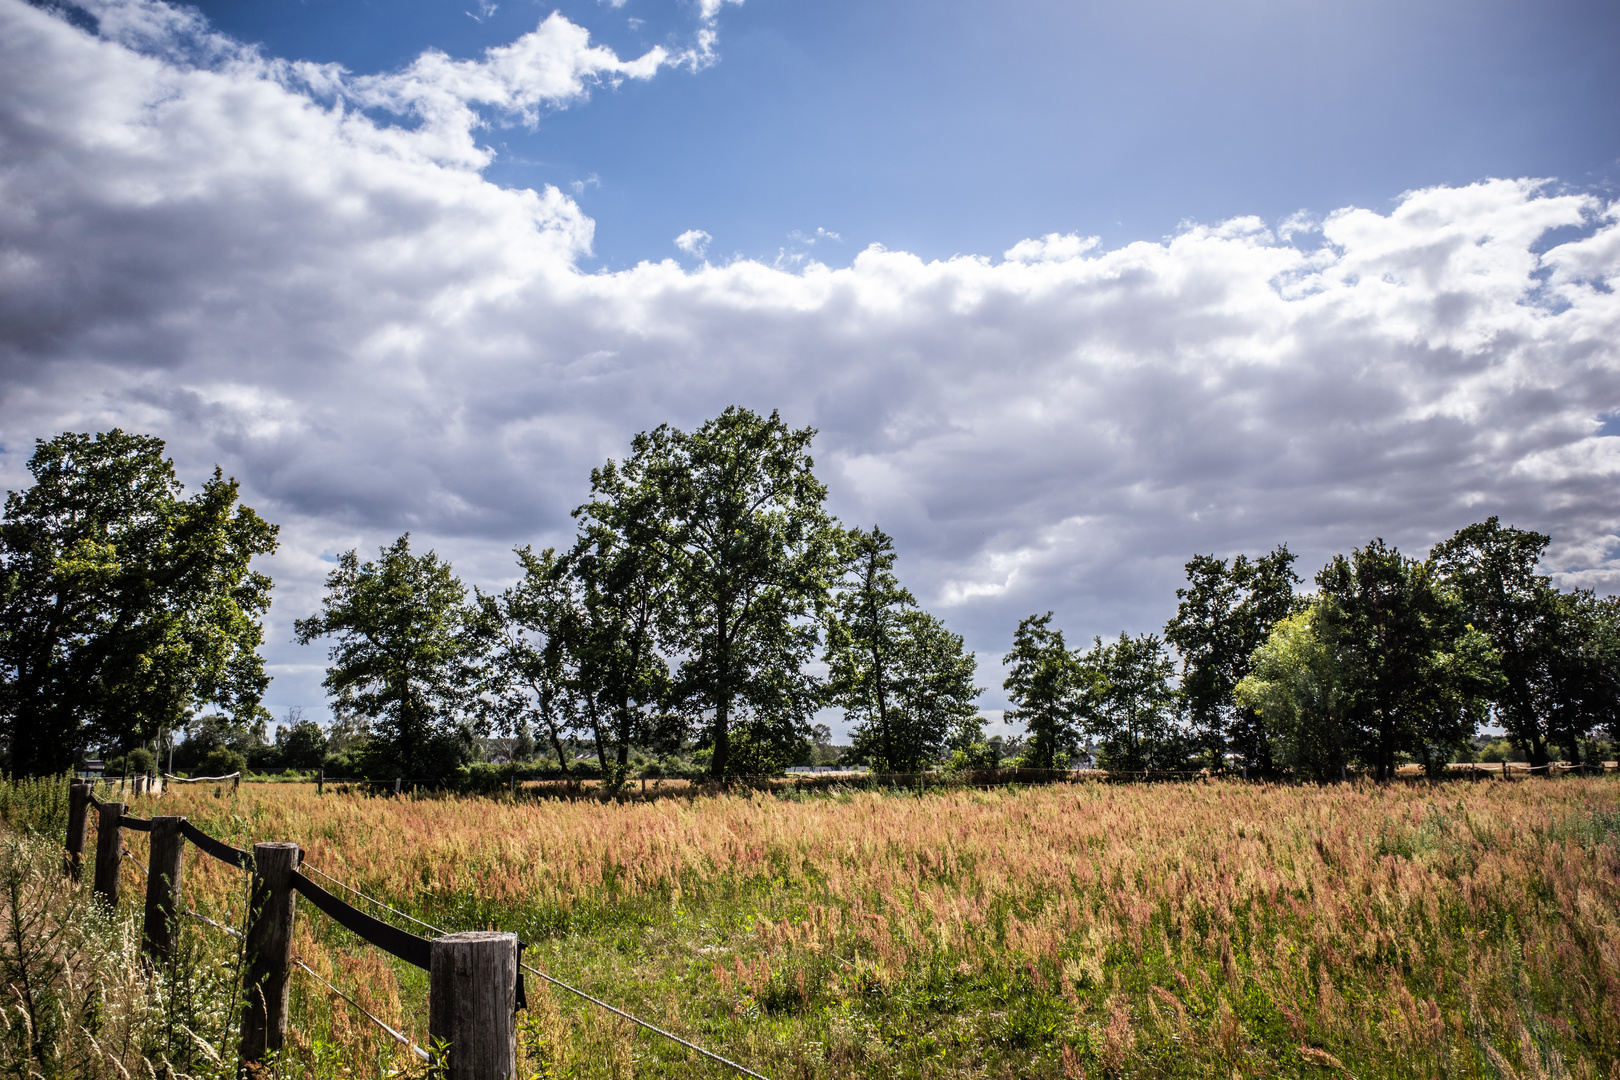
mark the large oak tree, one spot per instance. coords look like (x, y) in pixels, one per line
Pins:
(752, 556)
(123, 604)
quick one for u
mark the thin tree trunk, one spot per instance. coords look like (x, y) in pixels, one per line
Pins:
(722, 708)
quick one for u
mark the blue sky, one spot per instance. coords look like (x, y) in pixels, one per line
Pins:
(942, 127)
(1071, 292)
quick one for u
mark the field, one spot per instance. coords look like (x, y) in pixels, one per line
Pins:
(1465, 929)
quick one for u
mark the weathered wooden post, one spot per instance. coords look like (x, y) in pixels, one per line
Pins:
(320, 781)
(472, 1003)
(168, 851)
(78, 824)
(269, 950)
(109, 850)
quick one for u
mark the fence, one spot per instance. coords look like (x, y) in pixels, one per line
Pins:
(475, 978)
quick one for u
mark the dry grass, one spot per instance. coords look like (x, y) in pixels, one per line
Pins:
(1186, 929)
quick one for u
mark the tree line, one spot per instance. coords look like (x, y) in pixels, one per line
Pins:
(1390, 660)
(709, 605)
(704, 580)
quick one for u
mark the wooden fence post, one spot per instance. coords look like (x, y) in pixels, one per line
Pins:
(472, 1003)
(269, 950)
(78, 825)
(109, 850)
(168, 852)
(320, 781)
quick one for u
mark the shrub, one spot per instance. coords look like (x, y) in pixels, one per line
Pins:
(221, 761)
(35, 805)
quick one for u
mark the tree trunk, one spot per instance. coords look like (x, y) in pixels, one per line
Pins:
(722, 707)
(722, 741)
(624, 747)
(556, 737)
(1538, 749)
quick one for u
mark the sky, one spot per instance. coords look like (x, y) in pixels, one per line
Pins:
(1071, 291)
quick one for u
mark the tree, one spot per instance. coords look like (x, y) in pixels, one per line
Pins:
(1223, 615)
(624, 565)
(1417, 674)
(405, 657)
(1557, 684)
(752, 553)
(1041, 683)
(122, 603)
(1126, 702)
(1303, 698)
(527, 634)
(901, 677)
(304, 746)
(207, 733)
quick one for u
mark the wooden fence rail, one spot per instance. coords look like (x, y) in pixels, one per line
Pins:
(475, 986)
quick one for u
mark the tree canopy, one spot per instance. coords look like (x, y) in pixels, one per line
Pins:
(753, 555)
(123, 604)
(1418, 676)
(1126, 701)
(404, 658)
(904, 681)
(1558, 676)
(1222, 616)
(1042, 677)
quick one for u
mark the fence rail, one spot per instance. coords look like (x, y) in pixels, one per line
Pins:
(483, 969)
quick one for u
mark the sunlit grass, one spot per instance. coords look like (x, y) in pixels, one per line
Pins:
(1179, 929)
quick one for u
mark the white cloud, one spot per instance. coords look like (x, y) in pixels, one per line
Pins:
(552, 66)
(694, 242)
(1053, 247)
(709, 10)
(209, 245)
(799, 236)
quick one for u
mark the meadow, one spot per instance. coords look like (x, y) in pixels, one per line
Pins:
(1189, 929)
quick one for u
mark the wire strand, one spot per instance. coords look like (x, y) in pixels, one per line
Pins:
(217, 926)
(557, 982)
(421, 1053)
(371, 899)
(650, 1027)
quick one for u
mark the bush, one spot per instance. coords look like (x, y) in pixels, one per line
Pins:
(141, 762)
(221, 761)
(80, 1001)
(1501, 750)
(35, 805)
(305, 747)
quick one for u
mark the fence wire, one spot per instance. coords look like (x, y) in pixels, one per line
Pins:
(371, 899)
(200, 917)
(417, 1050)
(558, 983)
(711, 1055)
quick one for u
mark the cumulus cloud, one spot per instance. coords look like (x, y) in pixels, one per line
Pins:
(694, 242)
(205, 244)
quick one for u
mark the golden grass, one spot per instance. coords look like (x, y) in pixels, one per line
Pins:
(1179, 929)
